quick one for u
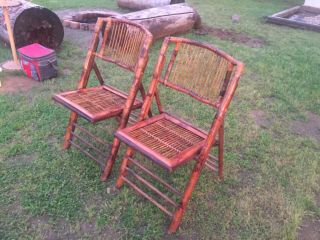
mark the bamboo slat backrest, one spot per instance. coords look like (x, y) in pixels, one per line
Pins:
(122, 42)
(198, 70)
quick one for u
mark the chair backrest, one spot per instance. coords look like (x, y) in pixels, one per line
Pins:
(123, 43)
(199, 70)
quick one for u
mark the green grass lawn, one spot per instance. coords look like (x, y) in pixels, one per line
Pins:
(271, 174)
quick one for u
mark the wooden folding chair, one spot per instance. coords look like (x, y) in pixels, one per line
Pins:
(207, 75)
(126, 45)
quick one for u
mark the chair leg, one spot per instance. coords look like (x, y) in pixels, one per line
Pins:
(175, 223)
(110, 161)
(220, 152)
(70, 128)
(123, 167)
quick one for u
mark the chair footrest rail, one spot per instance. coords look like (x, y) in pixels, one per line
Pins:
(83, 142)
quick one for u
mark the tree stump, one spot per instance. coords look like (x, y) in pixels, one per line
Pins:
(33, 24)
(139, 5)
(166, 20)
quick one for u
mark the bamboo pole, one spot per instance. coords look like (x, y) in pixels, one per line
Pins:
(10, 33)
(5, 4)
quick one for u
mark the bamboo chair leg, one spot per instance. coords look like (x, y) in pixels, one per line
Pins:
(143, 95)
(98, 74)
(69, 130)
(175, 223)
(158, 101)
(221, 151)
(111, 160)
(116, 145)
(123, 167)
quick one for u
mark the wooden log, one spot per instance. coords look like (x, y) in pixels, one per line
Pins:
(32, 23)
(166, 20)
(139, 5)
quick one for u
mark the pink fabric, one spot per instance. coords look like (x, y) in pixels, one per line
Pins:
(35, 50)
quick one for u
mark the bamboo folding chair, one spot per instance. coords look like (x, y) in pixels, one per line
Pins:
(207, 75)
(126, 45)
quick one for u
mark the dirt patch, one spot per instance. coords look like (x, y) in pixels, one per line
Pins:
(81, 38)
(232, 36)
(61, 228)
(308, 128)
(67, 72)
(270, 101)
(14, 84)
(310, 227)
(310, 230)
(21, 160)
(246, 177)
(261, 119)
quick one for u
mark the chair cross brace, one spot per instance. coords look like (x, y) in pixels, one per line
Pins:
(150, 186)
(88, 148)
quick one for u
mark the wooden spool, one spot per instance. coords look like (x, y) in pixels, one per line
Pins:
(32, 23)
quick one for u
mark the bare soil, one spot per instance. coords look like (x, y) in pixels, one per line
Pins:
(307, 128)
(261, 119)
(14, 84)
(310, 230)
(62, 228)
(232, 36)
(310, 227)
(67, 72)
(21, 160)
(79, 37)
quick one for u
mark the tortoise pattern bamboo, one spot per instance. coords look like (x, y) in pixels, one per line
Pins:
(170, 141)
(126, 45)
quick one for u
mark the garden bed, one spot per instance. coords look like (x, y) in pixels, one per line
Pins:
(300, 17)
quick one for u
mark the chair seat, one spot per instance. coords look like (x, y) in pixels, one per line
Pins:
(165, 139)
(96, 103)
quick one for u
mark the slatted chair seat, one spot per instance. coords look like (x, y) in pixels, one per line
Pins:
(96, 103)
(167, 140)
